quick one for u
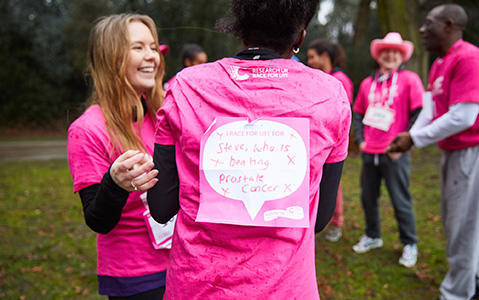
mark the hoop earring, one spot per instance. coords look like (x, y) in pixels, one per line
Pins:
(296, 50)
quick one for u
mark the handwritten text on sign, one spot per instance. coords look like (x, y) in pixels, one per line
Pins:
(255, 162)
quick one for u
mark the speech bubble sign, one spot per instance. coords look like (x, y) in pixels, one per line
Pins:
(254, 162)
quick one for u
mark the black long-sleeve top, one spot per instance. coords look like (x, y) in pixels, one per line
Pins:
(103, 203)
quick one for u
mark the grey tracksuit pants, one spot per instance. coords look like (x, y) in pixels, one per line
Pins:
(396, 175)
(460, 216)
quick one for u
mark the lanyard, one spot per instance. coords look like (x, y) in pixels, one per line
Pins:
(392, 89)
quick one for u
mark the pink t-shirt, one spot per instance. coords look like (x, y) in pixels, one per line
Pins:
(220, 261)
(126, 250)
(347, 83)
(407, 98)
(453, 79)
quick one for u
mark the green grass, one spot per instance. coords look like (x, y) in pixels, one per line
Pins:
(47, 252)
(343, 274)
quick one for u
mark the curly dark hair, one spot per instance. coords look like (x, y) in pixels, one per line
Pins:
(272, 24)
(334, 50)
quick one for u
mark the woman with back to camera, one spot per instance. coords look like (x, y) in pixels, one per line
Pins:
(255, 246)
(108, 155)
(330, 58)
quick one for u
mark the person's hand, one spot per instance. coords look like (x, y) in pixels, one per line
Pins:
(132, 171)
(393, 156)
(401, 143)
(362, 145)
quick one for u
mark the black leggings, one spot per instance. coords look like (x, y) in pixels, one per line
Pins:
(156, 294)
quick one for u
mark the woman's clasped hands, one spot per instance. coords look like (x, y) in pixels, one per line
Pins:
(132, 171)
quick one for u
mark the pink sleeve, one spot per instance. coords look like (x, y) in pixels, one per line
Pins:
(347, 84)
(416, 92)
(340, 149)
(87, 158)
(464, 85)
(360, 105)
(166, 118)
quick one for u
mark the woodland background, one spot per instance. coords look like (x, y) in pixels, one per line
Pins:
(43, 79)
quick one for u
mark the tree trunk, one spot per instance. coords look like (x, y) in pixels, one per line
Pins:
(361, 24)
(403, 16)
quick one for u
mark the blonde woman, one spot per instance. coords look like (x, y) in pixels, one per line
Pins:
(109, 148)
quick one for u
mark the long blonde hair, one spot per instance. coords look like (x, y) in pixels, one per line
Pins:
(108, 50)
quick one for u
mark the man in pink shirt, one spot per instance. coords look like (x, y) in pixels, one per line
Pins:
(450, 119)
(388, 102)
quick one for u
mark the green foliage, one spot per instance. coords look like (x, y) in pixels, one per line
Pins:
(35, 73)
(43, 48)
(43, 44)
(49, 253)
(403, 17)
(180, 22)
(341, 28)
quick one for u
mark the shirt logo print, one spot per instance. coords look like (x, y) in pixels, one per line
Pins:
(436, 87)
(234, 73)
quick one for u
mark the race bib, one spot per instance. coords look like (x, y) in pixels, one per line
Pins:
(160, 234)
(379, 117)
(255, 173)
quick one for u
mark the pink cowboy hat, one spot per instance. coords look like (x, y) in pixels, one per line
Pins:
(392, 40)
(164, 49)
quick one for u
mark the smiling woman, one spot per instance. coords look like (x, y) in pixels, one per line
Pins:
(143, 58)
(109, 147)
(119, 46)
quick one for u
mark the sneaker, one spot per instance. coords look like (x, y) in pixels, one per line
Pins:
(366, 243)
(333, 234)
(409, 256)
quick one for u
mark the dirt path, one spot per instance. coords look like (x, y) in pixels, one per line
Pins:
(33, 150)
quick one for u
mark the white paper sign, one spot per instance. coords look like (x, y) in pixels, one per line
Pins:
(256, 162)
